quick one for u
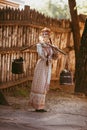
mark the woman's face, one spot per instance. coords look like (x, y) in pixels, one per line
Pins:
(44, 37)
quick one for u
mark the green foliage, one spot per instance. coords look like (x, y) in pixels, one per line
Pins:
(59, 9)
(54, 10)
(82, 7)
(21, 92)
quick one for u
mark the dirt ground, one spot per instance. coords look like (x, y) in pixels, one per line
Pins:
(56, 100)
(59, 96)
(61, 100)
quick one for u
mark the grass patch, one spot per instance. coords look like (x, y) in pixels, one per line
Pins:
(21, 92)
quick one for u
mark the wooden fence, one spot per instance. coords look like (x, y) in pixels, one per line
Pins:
(21, 28)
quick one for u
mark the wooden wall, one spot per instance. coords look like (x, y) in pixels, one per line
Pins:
(21, 28)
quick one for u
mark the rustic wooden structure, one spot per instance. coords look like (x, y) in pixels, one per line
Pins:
(21, 28)
(6, 3)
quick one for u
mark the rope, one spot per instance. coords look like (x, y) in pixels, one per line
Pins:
(65, 61)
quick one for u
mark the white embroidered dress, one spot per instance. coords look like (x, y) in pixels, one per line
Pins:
(42, 76)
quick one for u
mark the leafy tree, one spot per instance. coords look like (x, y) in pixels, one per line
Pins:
(55, 11)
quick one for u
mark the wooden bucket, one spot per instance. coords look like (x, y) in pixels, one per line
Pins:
(17, 66)
(65, 77)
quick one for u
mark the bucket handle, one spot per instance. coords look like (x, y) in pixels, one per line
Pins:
(66, 65)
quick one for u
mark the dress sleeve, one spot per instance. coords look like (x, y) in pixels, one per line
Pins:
(40, 51)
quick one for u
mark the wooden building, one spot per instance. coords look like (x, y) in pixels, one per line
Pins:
(8, 3)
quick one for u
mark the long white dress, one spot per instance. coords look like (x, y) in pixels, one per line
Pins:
(42, 76)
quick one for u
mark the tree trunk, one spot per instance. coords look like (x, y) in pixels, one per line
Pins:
(3, 101)
(75, 26)
(80, 78)
(81, 70)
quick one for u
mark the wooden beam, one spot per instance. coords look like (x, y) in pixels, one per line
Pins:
(27, 23)
(5, 3)
(14, 50)
(17, 82)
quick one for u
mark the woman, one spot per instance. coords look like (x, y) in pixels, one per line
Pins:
(42, 73)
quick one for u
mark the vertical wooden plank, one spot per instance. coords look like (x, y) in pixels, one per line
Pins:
(7, 37)
(15, 35)
(12, 76)
(0, 36)
(18, 35)
(12, 36)
(5, 67)
(3, 34)
(8, 67)
(29, 63)
(0, 68)
(21, 38)
(2, 61)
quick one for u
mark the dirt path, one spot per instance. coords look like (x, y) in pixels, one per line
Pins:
(65, 112)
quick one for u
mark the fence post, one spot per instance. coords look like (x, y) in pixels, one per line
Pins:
(26, 12)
